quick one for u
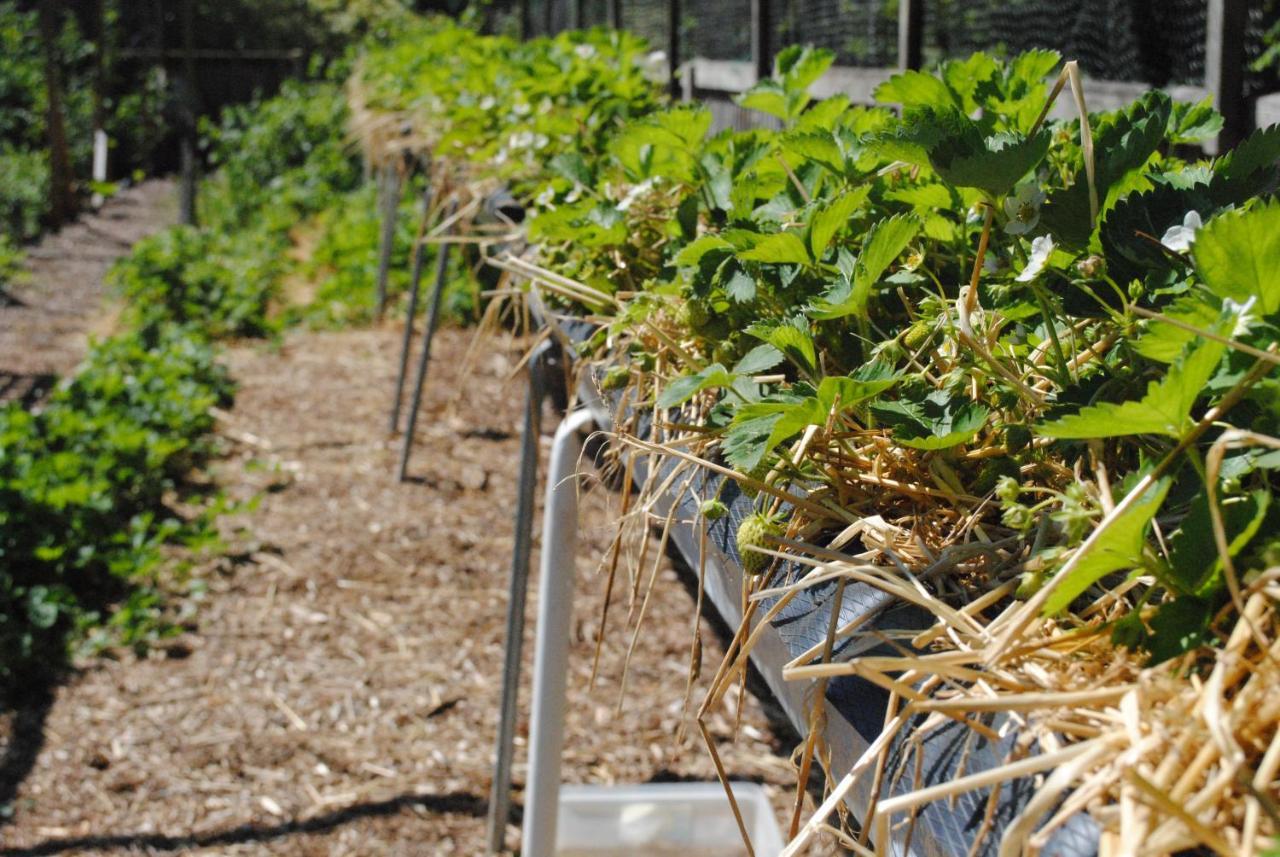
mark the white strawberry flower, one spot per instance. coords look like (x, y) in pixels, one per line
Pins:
(1023, 208)
(1180, 238)
(1041, 249)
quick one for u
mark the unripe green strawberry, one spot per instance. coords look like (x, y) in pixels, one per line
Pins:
(616, 378)
(755, 531)
(693, 315)
(713, 509)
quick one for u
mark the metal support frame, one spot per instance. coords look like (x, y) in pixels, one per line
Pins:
(424, 358)
(762, 46)
(674, 15)
(1224, 65)
(526, 19)
(390, 199)
(910, 34)
(415, 282)
(500, 790)
(551, 654)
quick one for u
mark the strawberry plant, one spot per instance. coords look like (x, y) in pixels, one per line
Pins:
(1047, 343)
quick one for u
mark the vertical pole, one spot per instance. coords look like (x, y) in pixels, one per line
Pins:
(61, 202)
(575, 14)
(500, 792)
(99, 90)
(762, 38)
(415, 280)
(390, 209)
(548, 7)
(910, 34)
(615, 14)
(187, 151)
(551, 652)
(526, 19)
(1224, 61)
(673, 44)
(424, 359)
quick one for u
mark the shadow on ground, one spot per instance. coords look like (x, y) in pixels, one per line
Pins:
(456, 803)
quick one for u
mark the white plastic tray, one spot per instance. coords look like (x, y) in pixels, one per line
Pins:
(689, 819)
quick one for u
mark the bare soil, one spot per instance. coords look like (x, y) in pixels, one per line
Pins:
(338, 693)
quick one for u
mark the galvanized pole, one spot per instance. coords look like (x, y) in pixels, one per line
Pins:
(415, 279)
(500, 791)
(551, 648)
(424, 359)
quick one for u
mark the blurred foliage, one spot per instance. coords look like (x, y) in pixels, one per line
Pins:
(90, 490)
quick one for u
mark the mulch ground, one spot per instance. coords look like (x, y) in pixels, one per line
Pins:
(45, 316)
(338, 693)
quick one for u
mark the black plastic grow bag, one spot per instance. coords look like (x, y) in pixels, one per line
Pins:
(855, 707)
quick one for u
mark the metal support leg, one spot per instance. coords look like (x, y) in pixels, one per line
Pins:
(551, 655)
(433, 321)
(390, 208)
(415, 280)
(500, 792)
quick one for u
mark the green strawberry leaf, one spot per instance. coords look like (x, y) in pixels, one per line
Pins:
(1124, 141)
(759, 359)
(916, 89)
(682, 389)
(1193, 123)
(828, 219)
(937, 421)
(1194, 560)
(884, 242)
(1236, 253)
(791, 340)
(1165, 409)
(780, 248)
(1116, 548)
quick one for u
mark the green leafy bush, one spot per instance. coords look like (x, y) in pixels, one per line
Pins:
(24, 192)
(279, 159)
(222, 282)
(88, 490)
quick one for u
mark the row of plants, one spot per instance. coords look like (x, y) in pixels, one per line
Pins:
(104, 499)
(1051, 342)
(1031, 360)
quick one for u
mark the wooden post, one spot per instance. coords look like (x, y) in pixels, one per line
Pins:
(1224, 61)
(762, 38)
(673, 45)
(910, 34)
(61, 201)
(187, 145)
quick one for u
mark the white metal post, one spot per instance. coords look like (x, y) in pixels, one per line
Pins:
(551, 654)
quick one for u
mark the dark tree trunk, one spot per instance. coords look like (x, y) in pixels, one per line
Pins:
(61, 201)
